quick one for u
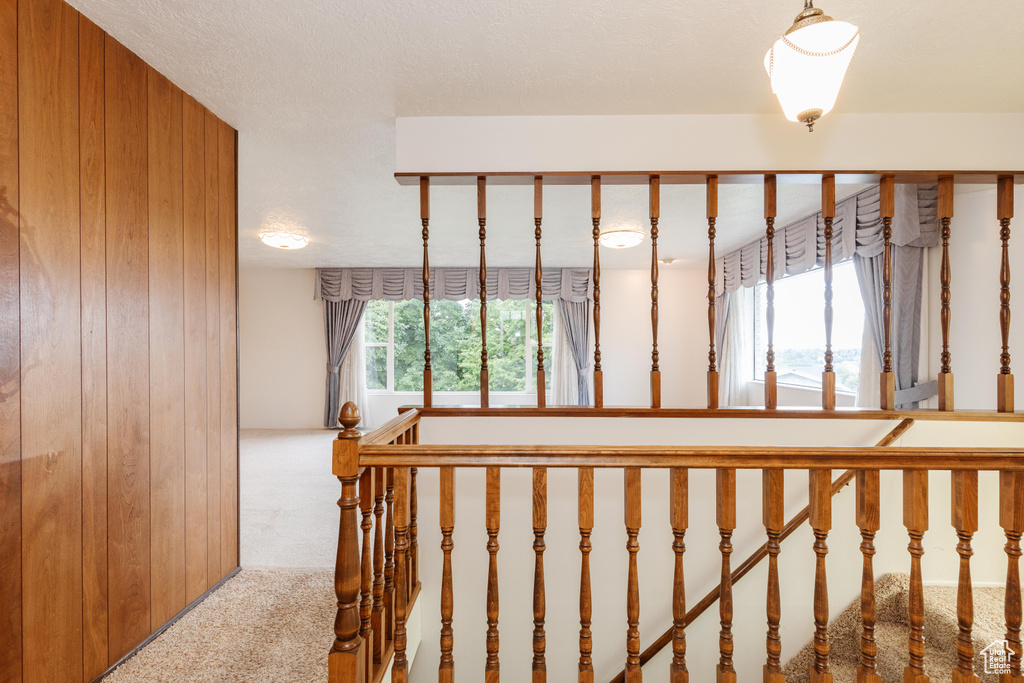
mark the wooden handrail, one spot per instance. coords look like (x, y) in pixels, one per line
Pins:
(391, 429)
(760, 554)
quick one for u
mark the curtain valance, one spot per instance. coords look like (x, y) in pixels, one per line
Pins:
(856, 229)
(455, 284)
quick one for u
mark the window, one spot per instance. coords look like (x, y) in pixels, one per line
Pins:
(395, 339)
(799, 332)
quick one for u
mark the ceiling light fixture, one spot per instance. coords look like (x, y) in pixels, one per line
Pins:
(284, 240)
(622, 238)
(807, 64)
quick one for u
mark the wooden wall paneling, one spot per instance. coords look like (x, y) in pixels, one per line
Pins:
(128, 454)
(51, 370)
(94, 348)
(197, 579)
(166, 348)
(228, 351)
(213, 424)
(10, 353)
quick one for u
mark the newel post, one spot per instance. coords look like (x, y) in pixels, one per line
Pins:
(347, 660)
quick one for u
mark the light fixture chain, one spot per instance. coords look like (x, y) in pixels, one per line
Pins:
(807, 53)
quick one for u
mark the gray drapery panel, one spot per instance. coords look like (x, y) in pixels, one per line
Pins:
(454, 284)
(341, 322)
(576, 320)
(856, 229)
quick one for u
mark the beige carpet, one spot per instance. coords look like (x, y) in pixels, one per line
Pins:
(893, 630)
(271, 625)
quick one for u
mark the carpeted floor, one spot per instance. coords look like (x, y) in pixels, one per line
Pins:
(893, 631)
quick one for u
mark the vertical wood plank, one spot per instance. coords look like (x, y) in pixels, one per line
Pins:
(679, 480)
(94, 348)
(166, 348)
(51, 401)
(127, 351)
(197, 579)
(10, 353)
(228, 359)
(213, 330)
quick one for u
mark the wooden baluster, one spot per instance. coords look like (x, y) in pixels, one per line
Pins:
(679, 492)
(726, 518)
(915, 518)
(887, 209)
(389, 559)
(347, 659)
(1004, 384)
(945, 276)
(366, 589)
(965, 521)
(540, 524)
(1011, 518)
(655, 216)
(773, 512)
(820, 491)
(631, 478)
(493, 522)
(586, 513)
(428, 383)
(400, 666)
(414, 546)
(481, 210)
(446, 669)
(828, 214)
(771, 396)
(595, 206)
(712, 202)
(538, 203)
(377, 614)
(868, 518)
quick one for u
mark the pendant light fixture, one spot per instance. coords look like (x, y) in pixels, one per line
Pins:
(622, 238)
(807, 64)
(284, 240)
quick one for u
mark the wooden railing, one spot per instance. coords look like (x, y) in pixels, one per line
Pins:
(369, 627)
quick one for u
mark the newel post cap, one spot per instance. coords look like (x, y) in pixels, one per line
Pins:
(349, 418)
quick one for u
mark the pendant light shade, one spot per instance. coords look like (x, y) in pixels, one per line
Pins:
(807, 65)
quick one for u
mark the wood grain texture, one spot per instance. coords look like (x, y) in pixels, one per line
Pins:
(51, 400)
(446, 666)
(128, 350)
(213, 329)
(964, 513)
(679, 482)
(197, 578)
(10, 353)
(493, 524)
(820, 495)
(94, 348)
(166, 347)
(773, 514)
(595, 212)
(586, 521)
(228, 363)
(915, 519)
(868, 518)
(725, 497)
(540, 523)
(633, 517)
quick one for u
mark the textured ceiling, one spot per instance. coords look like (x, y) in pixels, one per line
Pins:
(313, 87)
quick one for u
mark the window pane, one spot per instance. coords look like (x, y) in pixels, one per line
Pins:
(376, 322)
(506, 344)
(409, 343)
(376, 367)
(548, 309)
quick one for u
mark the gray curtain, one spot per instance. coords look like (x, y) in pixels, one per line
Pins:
(341, 322)
(576, 319)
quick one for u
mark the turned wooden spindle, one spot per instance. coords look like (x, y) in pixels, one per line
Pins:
(725, 515)
(538, 205)
(481, 211)
(428, 385)
(586, 515)
(493, 522)
(945, 278)
(540, 525)
(389, 558)
(964, 516)
(655, 216)
(771, 395)
(773, 513)
(1004, 381)
(377, 613)
(632, 514)
(366, 587)
(868, 519)
(446, 668)
(679, 518)
(820, 492)
(347, 659)
(887, 209)
(828, 214)
(1011, 518)
(595, 210)
(414, 546)
(915, 519)
(400, 665)
(712, 204)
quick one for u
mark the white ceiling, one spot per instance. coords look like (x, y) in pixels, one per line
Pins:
(313, 87)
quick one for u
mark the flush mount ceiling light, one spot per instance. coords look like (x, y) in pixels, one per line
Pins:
(807, 65)
(284, 240)
(622, 238)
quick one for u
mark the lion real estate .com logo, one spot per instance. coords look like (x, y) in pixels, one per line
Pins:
(997, 657)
